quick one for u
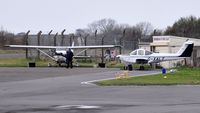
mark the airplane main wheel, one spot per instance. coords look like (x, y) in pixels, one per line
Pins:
(141, 67)
(130, 67)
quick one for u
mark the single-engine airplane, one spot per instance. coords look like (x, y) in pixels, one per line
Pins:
(61, 51)
(141, 56)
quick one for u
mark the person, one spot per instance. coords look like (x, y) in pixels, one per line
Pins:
(69, 58)
(164, 72)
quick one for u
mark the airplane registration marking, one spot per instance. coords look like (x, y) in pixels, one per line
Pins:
(156, 58)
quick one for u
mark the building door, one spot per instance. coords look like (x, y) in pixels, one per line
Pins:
(153, 48)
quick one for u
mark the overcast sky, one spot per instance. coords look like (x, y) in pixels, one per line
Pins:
(22, 15)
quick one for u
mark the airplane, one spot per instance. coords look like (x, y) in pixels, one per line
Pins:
(141, 56)
(60, 51)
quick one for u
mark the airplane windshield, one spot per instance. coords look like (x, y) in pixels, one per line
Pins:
(148, 52)
(133, 53)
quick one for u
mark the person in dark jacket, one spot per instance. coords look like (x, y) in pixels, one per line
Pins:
(69, 58)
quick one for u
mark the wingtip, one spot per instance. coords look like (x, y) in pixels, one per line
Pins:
(6, 46)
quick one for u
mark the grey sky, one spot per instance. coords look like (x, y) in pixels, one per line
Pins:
(22, 15)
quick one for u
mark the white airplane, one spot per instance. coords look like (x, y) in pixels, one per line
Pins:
(141, 56)
(60, 51)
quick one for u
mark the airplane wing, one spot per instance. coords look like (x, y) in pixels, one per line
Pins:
(63, 47)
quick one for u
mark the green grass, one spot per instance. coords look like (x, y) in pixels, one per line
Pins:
(20, 62)
(114, 64)
(184, 76)
(89, 65)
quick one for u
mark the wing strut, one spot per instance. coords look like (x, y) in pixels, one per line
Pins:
(81, 52)
(46, 54)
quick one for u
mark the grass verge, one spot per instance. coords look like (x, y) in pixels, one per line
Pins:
(20, 62)
(183, 76)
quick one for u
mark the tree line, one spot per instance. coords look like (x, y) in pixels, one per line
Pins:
(185, 27)
(6, 38)
(110, 30)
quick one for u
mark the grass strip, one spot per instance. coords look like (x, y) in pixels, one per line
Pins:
(183, 76)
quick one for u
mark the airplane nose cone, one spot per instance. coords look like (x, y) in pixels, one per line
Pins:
(118, 56)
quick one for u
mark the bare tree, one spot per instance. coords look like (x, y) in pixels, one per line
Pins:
(103, 25)
(6, 37)
(82, 34)
(185, 27)
(145, 28)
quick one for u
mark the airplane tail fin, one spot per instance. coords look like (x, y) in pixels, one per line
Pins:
(72, 46)
(72, 43)
(186, 49)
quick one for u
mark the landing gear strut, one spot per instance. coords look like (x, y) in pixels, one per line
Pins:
(128, 67)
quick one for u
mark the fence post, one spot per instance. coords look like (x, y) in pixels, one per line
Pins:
(38, 41)
(71, 38)
(26, 42)
(95, 41)
(54, 39)
(102, 50)
(49, 37)
(120, 41)
(62, 37)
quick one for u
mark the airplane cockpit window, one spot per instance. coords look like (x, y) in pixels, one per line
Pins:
(148, 52)
(133, 53)
(141, 52)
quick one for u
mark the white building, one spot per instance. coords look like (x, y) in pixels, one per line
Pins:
(171, 44)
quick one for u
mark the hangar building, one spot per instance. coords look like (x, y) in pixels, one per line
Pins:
(171, 44)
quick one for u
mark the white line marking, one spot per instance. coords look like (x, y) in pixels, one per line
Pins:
(88, 107)
(91, 82)
(77, 106)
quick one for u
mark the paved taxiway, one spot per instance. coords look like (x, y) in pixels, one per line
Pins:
(59, 90)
